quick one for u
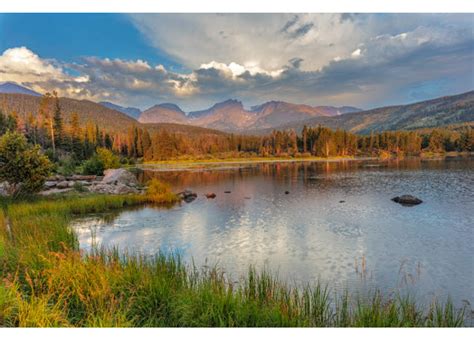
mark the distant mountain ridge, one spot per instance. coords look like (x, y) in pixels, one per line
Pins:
(14, 88)
(130, 111)
(230, 115)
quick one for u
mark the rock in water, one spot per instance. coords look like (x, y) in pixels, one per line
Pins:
(187, 195)
(407, 200)
(287, 192)
(210, 195)
(119, 176)
(189, 199)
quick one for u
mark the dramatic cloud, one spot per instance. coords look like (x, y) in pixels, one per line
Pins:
(265, 40)
(333, 59)
(23, 66)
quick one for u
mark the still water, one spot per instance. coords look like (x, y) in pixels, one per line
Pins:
(337, 224)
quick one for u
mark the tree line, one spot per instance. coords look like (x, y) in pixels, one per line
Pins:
(60, 138)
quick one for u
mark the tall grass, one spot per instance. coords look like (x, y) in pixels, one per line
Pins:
(48, 282)
(159, 192)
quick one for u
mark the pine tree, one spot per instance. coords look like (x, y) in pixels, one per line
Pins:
(57, 125)
(75, 137)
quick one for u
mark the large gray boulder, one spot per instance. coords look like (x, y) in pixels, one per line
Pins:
(116, 181)
(119, 176)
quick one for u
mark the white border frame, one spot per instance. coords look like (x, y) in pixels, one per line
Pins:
(228, 6)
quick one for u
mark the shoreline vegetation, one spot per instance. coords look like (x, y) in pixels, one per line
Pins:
(48, 282)
(196, 163)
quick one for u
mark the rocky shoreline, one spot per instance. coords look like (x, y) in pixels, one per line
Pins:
(114, 181)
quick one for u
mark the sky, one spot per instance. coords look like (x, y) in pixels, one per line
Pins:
(196, 60)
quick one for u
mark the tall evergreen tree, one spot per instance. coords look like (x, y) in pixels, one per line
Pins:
(57, 125)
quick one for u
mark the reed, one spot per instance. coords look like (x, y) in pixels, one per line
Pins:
(48, 282)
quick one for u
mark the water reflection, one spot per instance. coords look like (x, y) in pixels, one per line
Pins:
(309, 234)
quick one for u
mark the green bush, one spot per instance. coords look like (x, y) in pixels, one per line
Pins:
(108, 158)
(93, 166)
(22, 165)
(67, 166)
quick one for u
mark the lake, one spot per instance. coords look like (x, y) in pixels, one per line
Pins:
(337, 224)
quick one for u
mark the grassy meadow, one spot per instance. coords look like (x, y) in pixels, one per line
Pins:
(48, 282)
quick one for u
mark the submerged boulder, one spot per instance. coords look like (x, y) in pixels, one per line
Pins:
(187, 195)
(407, 200)
(210, 195)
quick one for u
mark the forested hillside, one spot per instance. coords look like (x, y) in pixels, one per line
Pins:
(427, 114)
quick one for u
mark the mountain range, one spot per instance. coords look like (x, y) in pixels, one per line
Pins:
(231, 116)
(130, 111)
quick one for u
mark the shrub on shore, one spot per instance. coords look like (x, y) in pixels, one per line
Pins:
(93, 166)
(23, 166)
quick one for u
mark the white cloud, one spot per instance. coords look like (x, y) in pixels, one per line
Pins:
(22, 65)
(356, 53)
(234, 70)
